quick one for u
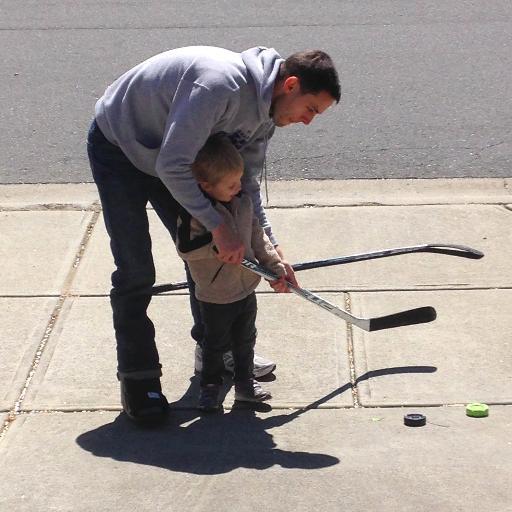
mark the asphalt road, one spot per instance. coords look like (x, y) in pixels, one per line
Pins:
(426, 85)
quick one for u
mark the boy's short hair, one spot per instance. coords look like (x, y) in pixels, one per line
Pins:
(217, 158)
(315, 71)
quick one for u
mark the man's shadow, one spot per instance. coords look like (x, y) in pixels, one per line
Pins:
(216, 443)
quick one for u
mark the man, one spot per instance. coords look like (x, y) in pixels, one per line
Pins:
(149, 126)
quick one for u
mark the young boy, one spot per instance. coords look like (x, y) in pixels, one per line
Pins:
(225, 291)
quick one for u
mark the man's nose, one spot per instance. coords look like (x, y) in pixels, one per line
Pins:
(307, 118)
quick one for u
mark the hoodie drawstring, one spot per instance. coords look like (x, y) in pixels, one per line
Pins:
(264, 169)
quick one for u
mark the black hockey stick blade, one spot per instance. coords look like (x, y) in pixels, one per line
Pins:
(455, 250)
(421, 315)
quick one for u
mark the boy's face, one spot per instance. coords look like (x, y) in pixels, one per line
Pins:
(226, 188)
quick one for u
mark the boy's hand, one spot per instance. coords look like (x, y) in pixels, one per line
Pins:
(280, 285)
(229, 246)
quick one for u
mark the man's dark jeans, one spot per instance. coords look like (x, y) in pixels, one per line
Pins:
(228, 327)
(124, 193)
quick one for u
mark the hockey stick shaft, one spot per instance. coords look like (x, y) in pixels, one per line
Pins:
(452, 250)
(409, 317)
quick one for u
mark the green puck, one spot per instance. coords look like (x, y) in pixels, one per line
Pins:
(477, 410)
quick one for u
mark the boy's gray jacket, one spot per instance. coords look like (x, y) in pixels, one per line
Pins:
(161, 112)
(219, 282)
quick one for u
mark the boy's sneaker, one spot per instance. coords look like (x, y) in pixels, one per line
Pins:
(250, 391)
(143, 400)
(209, 398)
(262, 366)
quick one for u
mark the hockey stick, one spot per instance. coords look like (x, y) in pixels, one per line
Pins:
(409, 317)
(451, 250)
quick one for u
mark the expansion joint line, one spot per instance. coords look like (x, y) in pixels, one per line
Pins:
(351, 358)
(54, 316)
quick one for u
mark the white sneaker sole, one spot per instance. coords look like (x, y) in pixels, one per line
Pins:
(263, 370)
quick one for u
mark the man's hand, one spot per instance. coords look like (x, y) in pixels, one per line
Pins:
(280, 285)
(229, 246)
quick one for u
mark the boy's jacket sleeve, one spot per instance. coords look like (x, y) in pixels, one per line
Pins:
(264, 250)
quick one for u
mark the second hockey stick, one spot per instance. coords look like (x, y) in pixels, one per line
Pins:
(448, 249)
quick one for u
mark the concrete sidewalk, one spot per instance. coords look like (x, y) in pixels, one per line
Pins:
(333, 438)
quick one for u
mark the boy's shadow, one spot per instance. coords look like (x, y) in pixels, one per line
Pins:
(209, 444)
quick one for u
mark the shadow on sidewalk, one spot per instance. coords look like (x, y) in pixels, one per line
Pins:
(215, 443)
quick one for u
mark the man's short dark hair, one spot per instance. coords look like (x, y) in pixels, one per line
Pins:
(315, 71)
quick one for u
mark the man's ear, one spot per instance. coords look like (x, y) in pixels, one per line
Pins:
(290, 84)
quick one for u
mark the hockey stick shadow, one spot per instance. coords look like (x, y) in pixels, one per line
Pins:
(394, 371)
(277, 421)
(214, 444)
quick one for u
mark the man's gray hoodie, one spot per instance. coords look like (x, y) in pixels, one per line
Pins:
(161, 112)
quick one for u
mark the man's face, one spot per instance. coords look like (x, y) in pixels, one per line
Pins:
(291, 106)
(226, 188)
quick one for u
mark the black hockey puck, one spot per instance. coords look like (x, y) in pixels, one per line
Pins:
(415, 420)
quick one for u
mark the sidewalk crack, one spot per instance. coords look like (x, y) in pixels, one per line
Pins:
(351, 358)
(16, 409)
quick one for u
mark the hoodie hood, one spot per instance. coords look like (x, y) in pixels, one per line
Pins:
(263, 65)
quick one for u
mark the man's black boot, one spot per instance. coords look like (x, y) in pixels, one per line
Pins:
(143, 401)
